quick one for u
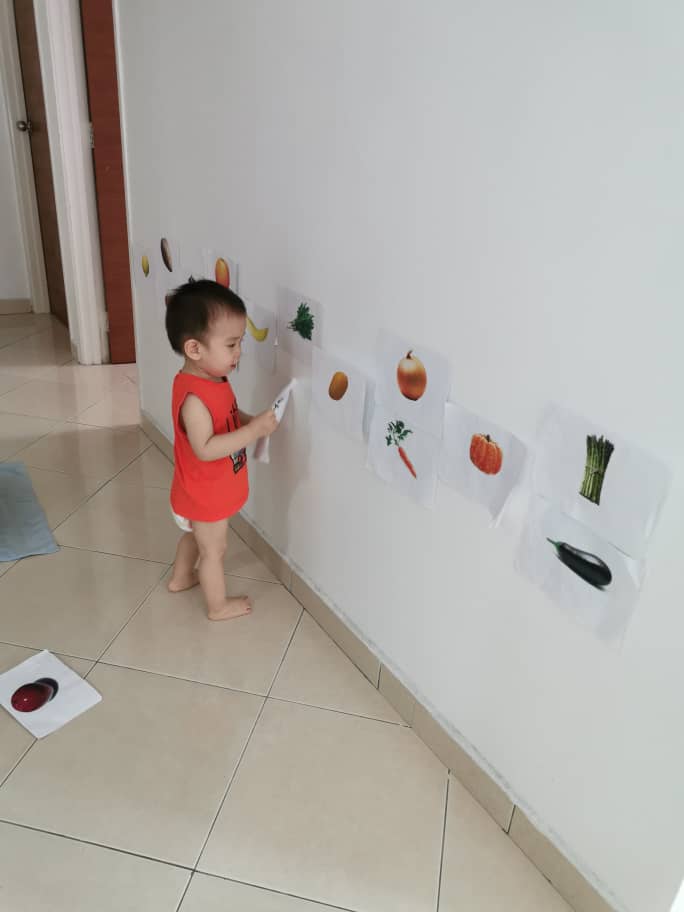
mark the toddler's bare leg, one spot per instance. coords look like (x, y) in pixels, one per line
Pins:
(184, 575)
(211, 540)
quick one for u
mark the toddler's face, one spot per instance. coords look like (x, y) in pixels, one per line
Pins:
(222, 347)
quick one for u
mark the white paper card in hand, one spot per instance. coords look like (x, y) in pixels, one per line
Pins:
(261, 448)
(37, 677)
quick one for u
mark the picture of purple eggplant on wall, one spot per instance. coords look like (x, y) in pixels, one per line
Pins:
(599, 451)
(587, 566)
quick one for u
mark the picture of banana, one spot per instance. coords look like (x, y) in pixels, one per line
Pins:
(258, 334)
(145, 263)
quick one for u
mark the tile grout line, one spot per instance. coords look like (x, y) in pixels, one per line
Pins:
(230, 782)
(263, 889)
(441, 854)
(98, 845)
(183, 894)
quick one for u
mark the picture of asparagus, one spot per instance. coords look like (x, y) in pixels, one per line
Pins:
(599, 451)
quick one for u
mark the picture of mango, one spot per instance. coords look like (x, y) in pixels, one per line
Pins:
(222, 272)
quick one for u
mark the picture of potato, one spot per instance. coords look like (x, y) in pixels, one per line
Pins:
(338, 385)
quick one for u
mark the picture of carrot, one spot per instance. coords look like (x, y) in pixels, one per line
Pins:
(397, 432)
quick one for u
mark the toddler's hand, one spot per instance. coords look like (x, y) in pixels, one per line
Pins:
(266, 423)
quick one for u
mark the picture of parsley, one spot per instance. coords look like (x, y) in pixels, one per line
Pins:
(303, 323)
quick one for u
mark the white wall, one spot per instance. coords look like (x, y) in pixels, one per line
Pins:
(13, 274)
(502, 182)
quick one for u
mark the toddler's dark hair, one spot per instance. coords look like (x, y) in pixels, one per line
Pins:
(192, 307)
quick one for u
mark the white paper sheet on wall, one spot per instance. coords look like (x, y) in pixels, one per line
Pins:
(593, 582)
(338, 393)
(412, 381)
(300, 321)
(600, 479)
(403, 456)
(262, 446)
(219, 267)
(479, 459)
(33, 681)
(260, 336)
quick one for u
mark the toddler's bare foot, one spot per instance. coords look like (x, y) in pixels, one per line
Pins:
(232, 608)
(181, 583)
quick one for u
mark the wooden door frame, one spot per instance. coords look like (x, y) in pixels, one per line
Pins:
(10, 71)
(58, 28)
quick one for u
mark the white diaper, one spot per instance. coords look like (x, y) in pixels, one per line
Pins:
(183, 524)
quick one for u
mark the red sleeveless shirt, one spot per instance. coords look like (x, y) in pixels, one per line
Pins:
(207, 491)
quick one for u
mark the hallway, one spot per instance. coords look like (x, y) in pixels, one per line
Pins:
(246, 765)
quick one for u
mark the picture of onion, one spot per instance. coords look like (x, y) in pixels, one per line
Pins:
(411, 377)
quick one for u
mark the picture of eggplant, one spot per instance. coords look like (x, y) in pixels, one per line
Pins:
(587, 566)
(166, 254)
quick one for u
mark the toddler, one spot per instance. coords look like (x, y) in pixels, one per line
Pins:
(205, 323)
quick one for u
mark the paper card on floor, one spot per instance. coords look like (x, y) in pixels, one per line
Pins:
(479, 459)
(44, 677)
(338, 393)
(587, 577)
(413, 381)
(599, 478)
(262, 446)
(299, 324)
(403, 455)
(260, 336)
(221, 268)
(168, 257)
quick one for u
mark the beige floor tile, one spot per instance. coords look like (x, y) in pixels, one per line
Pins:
(5, 565)
(119, 408)
(35, 322)
(17, 432)
(59, 494)
(345, 638)
(548, 859)
(145, 770)
(14, 739)
(478, 782)
(9, 335)
(44, 399)
(333, 808)
(211, 894)
(317, 672)
(78, 450)
(99, 378)
(152, 470)
(45, 349)
(10, 381)
(483, 869)
(72, 601)
(123, 519)
(171, 635)
(242, 561)
(71, 876)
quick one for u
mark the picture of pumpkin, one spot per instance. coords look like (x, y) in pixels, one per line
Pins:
(485, 454)
(411, 377)
(339, 385)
